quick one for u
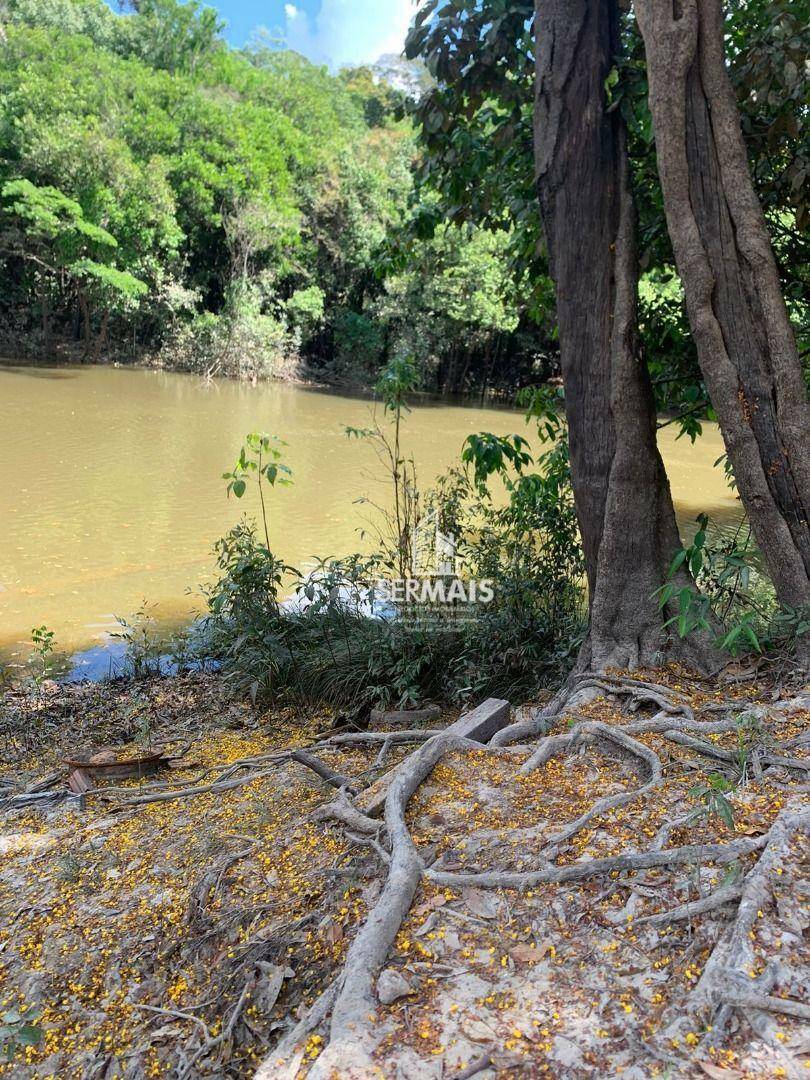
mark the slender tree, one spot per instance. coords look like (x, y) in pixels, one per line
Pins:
(739, 321)
(621, 490)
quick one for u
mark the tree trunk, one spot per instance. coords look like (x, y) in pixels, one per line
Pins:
(622, 495)
(102, 336)
(88, 334)
(744, 340)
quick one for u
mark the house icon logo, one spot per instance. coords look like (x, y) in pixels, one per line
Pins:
(433, 552)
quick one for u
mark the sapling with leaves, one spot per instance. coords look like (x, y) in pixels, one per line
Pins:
(725, 566)
(260, 458)
(41, 658)
(399, 378)
(712, 795)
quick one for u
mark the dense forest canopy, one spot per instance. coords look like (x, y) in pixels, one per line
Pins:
(167, 197)
(253, 208)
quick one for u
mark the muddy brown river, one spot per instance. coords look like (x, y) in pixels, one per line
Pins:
(112, 489)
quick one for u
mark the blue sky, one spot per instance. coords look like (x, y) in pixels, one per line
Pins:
(327, 31)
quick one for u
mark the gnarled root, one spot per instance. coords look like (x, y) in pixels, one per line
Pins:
(351, 1037)
(586, 868)
(353, 1031)
(593, 731)
(343, 810)
(725, 980)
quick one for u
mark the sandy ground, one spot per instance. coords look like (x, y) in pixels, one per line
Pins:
(182, 937)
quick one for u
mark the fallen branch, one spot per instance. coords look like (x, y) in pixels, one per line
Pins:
(217, 1040)
(192, 792)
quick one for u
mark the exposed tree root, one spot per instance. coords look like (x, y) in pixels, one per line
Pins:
(719, 898)
(477, 1065)
(742, 996)
(341, 809)
(638, 691)
(688, 854)
(284, 1062)
(732, 958)
(537, 724)
(593, 731)
(309, 761)
(393, 738)
(351, 1033)
(724, 985)
(663, 721)
(732, 757)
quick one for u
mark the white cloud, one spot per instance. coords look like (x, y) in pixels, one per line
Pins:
(349, 31)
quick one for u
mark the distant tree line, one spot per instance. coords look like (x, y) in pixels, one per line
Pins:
(166, 197)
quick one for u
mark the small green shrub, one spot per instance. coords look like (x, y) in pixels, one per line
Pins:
(335, 642)
(712, 796)
(144, 642)
(41, 659)
(735, 591)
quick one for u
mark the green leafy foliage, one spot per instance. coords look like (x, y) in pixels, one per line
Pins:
(340, 638)
(40, 660)
(260, 459)
(475, 127)
(713, 798)
(490, 454)
(733, 590)
(18, 1029)
(226, 212)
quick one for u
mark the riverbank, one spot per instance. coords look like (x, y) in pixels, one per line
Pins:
(182, 924)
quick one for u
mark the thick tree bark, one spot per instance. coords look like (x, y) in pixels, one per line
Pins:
(622, 495)
(745, 343)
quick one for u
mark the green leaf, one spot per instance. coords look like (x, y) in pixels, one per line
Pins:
(678, 562)
(29, 1035)
(725, 811)
(239, 487)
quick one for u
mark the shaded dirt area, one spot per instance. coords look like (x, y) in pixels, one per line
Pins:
(183, 937)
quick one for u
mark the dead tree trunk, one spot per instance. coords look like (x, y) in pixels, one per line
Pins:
(745, 343)
(622, 495)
